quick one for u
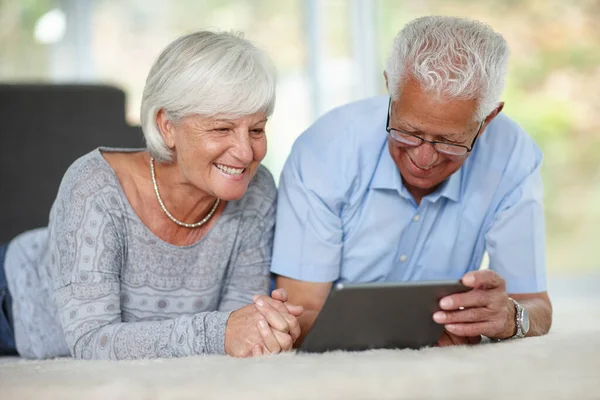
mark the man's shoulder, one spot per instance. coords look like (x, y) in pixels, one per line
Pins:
(347, 123)
(338, 154)
(506, 139)
(346, 141)
(505, 152)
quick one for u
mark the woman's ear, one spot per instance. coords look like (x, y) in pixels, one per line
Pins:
(166, 128)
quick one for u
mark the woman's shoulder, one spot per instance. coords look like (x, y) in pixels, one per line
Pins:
(86, 166)
(263, 182)
(262, 192)
(88, 176)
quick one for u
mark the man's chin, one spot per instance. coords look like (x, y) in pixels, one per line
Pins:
(419, 183)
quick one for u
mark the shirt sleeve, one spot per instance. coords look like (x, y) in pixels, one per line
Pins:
(87, 255)
(516, 239)
(248, 272)
(308, 233)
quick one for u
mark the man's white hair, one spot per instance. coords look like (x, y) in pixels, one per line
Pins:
(454, 58)
(207, 74)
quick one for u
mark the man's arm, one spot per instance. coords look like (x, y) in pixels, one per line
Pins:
(539, 307)
(487, 310)
(310, 295)
(515, 242)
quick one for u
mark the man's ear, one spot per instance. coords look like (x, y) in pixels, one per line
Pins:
(166, 128)
(386, 81)
(492, 115)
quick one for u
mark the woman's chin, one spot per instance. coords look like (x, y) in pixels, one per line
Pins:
(231, 192)
(230, 187)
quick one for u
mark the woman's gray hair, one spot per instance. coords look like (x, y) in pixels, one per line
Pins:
(208, 74)
(452, 57)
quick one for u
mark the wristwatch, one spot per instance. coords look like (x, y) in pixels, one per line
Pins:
(521, 320)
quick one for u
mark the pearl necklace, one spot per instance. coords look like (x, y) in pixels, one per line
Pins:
(171, 217)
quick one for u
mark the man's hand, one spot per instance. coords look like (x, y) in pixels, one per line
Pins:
(485, 310)
(448, 339)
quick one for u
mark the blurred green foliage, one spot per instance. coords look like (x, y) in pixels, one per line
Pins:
(553, 87)
(553, 91)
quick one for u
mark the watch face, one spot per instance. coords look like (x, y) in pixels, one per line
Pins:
(525, 321)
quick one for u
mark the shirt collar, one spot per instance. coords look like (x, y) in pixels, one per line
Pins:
(450, 189)
(387, 176)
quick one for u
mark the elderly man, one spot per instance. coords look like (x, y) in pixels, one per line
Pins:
(418, 186)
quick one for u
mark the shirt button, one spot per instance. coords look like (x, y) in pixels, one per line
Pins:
(403, 258)
(416, 218)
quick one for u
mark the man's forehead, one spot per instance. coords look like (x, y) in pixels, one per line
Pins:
(415, 120)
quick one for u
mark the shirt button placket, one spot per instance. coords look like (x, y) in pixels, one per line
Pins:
(410, 238)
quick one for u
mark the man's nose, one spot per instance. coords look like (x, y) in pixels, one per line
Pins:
(424, 156)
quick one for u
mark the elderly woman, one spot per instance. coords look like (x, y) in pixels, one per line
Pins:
(147, 252)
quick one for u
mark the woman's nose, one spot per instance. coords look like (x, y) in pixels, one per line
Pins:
(243, 148)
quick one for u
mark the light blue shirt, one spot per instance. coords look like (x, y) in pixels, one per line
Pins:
(344, 214)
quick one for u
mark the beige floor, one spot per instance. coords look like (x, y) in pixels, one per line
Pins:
(564, 364)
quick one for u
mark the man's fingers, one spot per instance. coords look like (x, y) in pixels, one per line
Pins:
(273, 317)
(484, 279)
(474, 329)
(473, 298)
(271, 342)
(449, 339)
(474, 339)
(444, 340)
(468, 315)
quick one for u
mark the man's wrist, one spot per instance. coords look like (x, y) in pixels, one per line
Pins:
(510, 329)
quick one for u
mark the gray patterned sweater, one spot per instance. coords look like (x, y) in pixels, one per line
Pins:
(98, 284)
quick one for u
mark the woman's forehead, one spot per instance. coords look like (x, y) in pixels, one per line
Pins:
(202, 120)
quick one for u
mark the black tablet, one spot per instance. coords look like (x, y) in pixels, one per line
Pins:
(379, 315)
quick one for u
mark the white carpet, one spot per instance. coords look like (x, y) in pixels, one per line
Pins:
(563, 364)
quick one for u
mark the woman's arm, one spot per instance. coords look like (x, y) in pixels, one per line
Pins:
(87, 254)
(248, 271)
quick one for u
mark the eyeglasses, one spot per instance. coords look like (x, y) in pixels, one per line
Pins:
(410, 140)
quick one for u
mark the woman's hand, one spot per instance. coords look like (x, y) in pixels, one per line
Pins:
(281, 315)
(248, 334)
(283, 324)
(268, 326)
